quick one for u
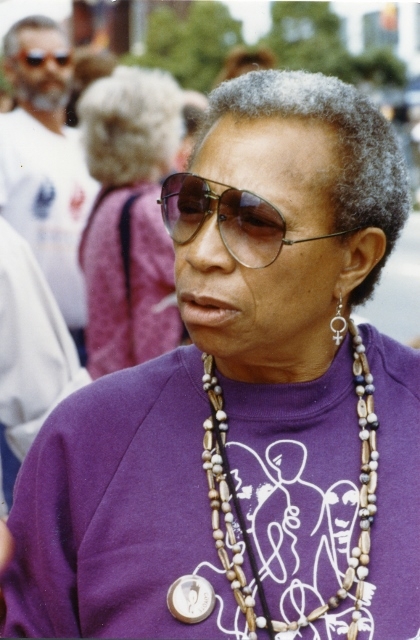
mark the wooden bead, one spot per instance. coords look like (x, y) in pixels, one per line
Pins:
(363, 496)
(361, 408)
(365, 364)
(224, 489)
(364, 542)
(365, 452)
(215, 519)
(224, 559)
(208, 441)
(373, 482)
(231, 533)
(353, 631)
(372, 440)
(250, 619)
(370, 404)
(240, 575)
(210, 479)
(364, 559)
(357, 367)
(354, 331)
(348, 578)
(240, 600)
(318, 612)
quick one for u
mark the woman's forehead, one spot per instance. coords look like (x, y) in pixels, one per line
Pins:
(275, 157)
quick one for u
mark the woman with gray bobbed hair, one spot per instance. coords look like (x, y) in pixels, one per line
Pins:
(131, 126)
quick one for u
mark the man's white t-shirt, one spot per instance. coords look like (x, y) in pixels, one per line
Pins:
(39, 365)
(46, 194)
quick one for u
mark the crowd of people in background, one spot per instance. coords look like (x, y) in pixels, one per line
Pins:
(84, 254)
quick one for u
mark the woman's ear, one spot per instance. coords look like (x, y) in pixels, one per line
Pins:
(362, 252)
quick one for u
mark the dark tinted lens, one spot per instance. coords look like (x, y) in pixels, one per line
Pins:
(251, 228)
(35, 59)
(185, 203)
(62, 59)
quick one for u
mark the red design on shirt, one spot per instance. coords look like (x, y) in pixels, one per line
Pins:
(77, 201)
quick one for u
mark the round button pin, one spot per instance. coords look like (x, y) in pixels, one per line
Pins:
(191, 599)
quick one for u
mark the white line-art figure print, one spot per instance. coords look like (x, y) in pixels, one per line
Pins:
(288, 519)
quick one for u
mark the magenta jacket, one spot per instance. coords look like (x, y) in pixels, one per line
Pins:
(121, 334)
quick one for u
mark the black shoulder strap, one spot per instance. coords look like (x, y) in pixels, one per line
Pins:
(124, 230)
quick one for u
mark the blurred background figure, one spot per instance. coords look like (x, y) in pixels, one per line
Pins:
(131, 124)
(6, 101)
(89, 65)
(45, 189)
(39, 364)
(241, 60)
(195, 104)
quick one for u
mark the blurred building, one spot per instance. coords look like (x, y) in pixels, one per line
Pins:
(117, 25)
(368, 25)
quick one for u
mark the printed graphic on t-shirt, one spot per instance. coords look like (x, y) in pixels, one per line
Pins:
(77, 201)
(44, 199)
(302, 534)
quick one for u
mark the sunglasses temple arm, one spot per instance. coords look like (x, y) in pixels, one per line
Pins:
(329, 235)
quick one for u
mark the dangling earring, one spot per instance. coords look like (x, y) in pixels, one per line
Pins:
(338, 320)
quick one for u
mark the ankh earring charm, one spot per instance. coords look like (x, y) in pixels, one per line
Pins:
(338, 324)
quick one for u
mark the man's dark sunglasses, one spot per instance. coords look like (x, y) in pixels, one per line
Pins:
(252, 229)
(38, 57)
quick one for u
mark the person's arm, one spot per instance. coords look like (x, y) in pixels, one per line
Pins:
(38, 364)
(40, 586)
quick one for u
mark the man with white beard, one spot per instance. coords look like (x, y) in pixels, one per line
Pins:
(45, 189)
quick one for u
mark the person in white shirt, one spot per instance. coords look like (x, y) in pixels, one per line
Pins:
(38, 362)
(46, 192)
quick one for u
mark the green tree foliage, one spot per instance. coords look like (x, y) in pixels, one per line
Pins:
(307, 35)
(193, 50)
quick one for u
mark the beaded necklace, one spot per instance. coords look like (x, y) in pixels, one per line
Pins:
(216, 467)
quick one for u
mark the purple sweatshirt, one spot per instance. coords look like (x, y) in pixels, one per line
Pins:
(111, 504)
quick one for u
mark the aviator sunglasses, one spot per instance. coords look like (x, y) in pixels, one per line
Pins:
(252, 229)
(38, 57)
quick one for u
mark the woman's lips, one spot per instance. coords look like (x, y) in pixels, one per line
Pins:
(206, 311)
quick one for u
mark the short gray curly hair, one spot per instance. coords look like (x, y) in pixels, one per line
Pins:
(131, 123)
(372, 187)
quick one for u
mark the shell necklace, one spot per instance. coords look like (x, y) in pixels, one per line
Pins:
(221, 489)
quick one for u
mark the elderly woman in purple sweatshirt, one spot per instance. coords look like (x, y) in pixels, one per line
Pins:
(262, 482)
